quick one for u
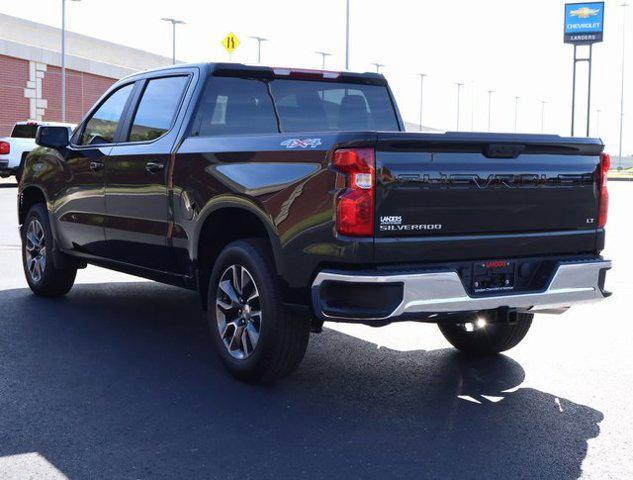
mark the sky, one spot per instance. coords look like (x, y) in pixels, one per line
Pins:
(512, 47)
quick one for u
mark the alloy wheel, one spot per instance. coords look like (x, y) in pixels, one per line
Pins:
(238, 311)
(35, 250)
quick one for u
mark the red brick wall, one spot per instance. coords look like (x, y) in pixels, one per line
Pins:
(14, 73)
(82, 91)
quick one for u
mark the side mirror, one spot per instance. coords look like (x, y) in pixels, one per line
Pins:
(52, 137)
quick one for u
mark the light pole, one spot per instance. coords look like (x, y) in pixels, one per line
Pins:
(624, 5)
(421, 75)
(516, 113)
(323, 55)
(173, 22)
(259, 47)
(64, 59)
(459, 91)
(472, 107)
(347, 36)
(543, 103)
(378, 65)
(490, 92)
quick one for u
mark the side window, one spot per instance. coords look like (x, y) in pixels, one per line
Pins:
(157, 108)
(102, 126)
(234, 106)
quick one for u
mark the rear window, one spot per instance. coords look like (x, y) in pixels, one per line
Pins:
(235, 106)
(328, 106)
(24, 131)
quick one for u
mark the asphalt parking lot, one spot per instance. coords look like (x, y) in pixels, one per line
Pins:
(118, 380)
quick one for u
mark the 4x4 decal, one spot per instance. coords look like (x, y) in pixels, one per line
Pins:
(301, 143)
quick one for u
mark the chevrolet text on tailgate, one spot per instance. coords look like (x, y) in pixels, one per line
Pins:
(287, 198)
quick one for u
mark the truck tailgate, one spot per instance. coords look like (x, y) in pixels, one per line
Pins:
(469, 184)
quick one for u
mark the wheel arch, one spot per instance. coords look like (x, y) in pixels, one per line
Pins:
(226, 220)
(29, 196)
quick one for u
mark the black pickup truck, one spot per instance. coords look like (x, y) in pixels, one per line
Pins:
(288, 197)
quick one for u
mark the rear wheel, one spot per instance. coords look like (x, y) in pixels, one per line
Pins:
(257, 339)
(484, 335)
(43, 277)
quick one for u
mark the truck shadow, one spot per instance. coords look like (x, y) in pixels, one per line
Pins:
(119, 381)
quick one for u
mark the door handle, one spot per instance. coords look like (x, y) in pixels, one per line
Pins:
(154, 167)
(96, 166)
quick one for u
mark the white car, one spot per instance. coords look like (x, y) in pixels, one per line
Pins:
(13, 149)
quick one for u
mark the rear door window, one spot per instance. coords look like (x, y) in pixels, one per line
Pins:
(332, 106)
(157, 109)
(235, 106)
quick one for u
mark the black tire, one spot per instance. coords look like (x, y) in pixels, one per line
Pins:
(282, 337)
(493, 338)
(51, 281)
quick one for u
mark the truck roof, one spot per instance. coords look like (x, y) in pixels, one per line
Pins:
(270, 72)
(46, 124)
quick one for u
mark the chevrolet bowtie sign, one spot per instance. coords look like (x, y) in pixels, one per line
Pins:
(584, 22)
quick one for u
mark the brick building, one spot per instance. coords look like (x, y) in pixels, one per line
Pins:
(30, 73)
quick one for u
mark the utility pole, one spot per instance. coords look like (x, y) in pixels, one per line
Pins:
(421, 75)
(459, 91)
(624, 5)
(378, 65)
(259, 47)
(490, 92)
(543, 103)
(64, 59)
(472, 107)
(323, 55)
(516, 113)
(173, 22)
(347, 36)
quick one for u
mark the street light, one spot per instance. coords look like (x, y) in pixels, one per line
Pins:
(516, 112)
(624, 5)
(173, 22)
(347, 36)
(490, 92)
(421, 75)
(378, 65)
(64, 59)
(543, 103)
(259, 47)
(472, 106)
(323, 55)
(459, 91)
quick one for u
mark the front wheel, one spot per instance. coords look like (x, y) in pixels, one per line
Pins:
(43, 277)
(482, 335)
(257, 339)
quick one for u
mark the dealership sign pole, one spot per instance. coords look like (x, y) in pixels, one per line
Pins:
(584, 25)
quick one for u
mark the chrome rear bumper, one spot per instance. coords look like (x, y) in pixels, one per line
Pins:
(444, 292)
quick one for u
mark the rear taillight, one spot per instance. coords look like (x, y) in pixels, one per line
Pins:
(5, 148)
(355, 204)
(603, 201)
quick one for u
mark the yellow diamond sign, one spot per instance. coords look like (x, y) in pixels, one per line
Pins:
(231, 42)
